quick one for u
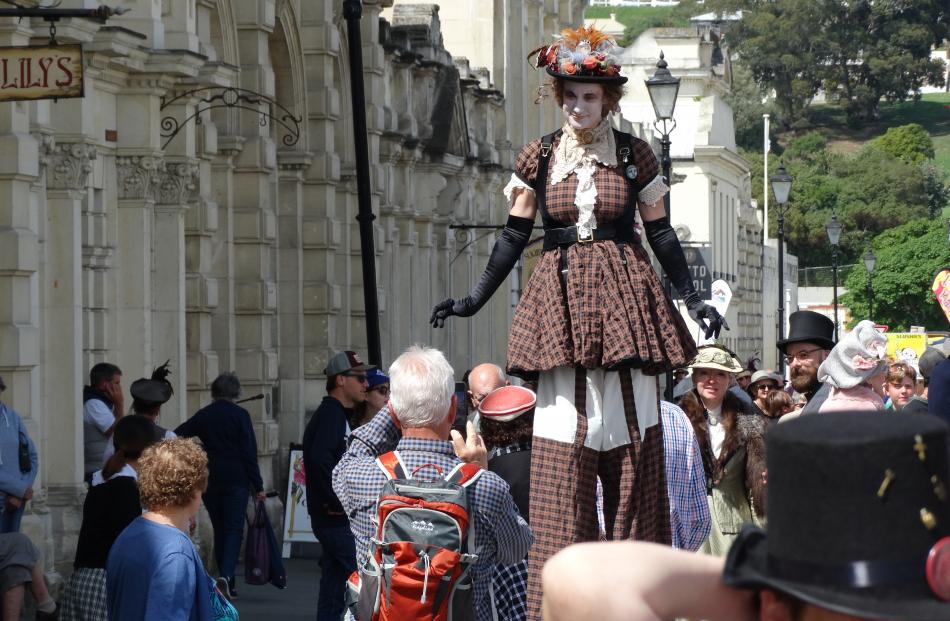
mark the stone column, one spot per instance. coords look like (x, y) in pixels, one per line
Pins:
(289, 397)
(67, 171)
(176, 189)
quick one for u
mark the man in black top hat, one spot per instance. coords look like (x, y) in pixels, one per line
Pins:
(810, 338)
(870, 542)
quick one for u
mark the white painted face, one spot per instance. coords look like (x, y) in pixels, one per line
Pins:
(582, 104)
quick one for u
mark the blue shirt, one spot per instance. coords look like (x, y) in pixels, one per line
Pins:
(12, 434)
(154, 572)
(685, 480)
(501, 534)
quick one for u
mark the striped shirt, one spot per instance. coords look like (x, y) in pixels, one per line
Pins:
(501, 535)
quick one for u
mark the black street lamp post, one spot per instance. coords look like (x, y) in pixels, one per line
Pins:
(781, 187)
(352, 12)
(834, 236)
(869, 261)
(663, 88)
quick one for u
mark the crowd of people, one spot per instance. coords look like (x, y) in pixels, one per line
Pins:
(562, 485)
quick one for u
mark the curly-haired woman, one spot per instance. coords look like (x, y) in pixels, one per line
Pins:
(154, 571)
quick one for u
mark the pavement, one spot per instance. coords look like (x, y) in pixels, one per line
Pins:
(298, 602)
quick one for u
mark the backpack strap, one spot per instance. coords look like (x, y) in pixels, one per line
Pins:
(541, 181)
(464, 474)
(391, 464)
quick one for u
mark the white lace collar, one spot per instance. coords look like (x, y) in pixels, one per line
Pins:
(583, 147)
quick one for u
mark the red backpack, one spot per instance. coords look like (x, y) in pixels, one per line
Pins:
(420, 558)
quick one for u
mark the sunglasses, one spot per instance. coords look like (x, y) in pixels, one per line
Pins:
(360, 377)
(767, 387)
(381, 389)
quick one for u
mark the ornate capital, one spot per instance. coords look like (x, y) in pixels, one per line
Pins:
(138, 176)
(178, 183)
(68, 164)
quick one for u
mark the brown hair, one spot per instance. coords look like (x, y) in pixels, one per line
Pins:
(496, 433)
(898, 371)
(612, 94)
(170, 473)
(776, 401)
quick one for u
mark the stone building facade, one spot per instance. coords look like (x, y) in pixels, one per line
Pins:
(233, 245)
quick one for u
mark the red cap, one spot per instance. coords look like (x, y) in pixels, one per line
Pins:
(507, 403)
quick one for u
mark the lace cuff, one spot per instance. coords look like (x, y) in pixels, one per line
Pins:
(654, 191)
(514, 187)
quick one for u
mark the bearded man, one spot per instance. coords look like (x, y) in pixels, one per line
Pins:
(810, 339)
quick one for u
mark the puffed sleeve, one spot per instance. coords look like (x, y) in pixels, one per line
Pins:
(649, 180)
(526, 171)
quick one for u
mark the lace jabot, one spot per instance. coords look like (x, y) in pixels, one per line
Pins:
(579, 152)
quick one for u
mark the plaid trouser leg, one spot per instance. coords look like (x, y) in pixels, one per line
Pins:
(563, 495)
(651, 504)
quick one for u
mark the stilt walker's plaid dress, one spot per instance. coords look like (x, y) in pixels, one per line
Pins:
(596, 340)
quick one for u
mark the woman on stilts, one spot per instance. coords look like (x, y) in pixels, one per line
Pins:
(594, 326)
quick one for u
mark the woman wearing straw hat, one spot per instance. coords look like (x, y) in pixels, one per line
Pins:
(732, 444)
(594, 325)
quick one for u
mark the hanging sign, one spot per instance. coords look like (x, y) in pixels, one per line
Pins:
(41, 72)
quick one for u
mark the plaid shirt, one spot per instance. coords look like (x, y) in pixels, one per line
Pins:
(501, 534)
(685, 480)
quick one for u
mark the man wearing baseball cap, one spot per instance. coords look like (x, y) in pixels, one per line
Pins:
(927, 363)
(324, 442)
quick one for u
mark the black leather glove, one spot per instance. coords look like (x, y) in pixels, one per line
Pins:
(504, 255)
(668, 251)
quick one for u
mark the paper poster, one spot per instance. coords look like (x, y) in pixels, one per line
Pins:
(296, 518)
(941, 289)
(906, 347)
(720, 297)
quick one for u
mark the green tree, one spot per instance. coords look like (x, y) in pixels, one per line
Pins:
(856, 52)
(908, 258)
(748, 105)
(910, 143)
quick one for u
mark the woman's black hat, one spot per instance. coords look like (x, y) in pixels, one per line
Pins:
(809, 327)
(858, 517)
(155, 390)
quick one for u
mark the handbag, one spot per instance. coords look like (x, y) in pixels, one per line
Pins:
(24, 454)
(262, 562)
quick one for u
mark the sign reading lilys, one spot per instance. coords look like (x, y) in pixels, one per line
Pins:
(41, 72)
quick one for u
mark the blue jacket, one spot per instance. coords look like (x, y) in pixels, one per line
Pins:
(12, 432)
(228, 437)
(938, 391)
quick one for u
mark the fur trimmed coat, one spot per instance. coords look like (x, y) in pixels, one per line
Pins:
(736, 490)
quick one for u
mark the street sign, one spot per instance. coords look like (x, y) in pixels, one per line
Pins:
(41, 72)
(696, 258)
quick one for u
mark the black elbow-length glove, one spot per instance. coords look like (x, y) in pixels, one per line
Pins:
(667, 249)
(504, 255)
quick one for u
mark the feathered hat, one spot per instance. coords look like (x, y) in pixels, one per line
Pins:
(584, 54)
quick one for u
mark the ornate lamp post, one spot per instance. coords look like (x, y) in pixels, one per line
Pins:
(834, 235)
(781, 187)
(869, 261)
(663, 88)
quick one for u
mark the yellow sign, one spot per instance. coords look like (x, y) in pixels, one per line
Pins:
(906, 346)
(41, 72)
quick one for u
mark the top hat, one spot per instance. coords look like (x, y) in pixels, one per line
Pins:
(859, 521)
(809, 327)
(507, 403)
(582, 55)
(343, 361)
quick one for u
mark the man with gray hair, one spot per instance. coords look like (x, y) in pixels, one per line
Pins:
(418, 423)
(225, 430)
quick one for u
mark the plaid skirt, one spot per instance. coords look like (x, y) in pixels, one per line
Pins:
(85, 596)
(613, 314)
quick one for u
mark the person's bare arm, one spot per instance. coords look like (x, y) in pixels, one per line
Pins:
(524, 205)
(636, 581)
